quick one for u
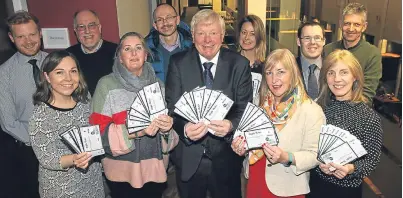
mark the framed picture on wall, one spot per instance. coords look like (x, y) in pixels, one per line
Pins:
(55, 38)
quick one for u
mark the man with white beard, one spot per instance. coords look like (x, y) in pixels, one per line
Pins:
(94, 54)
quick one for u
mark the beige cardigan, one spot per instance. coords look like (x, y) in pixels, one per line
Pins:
(300, 137)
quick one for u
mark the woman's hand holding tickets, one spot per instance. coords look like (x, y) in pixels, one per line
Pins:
(152, 129)
(238, 145)
(339, 171)
(274, 154)
(81, 160)
(164, 122)
(325, 168)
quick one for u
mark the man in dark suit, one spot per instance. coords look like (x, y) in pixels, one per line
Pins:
(205, 162)
(311, 41)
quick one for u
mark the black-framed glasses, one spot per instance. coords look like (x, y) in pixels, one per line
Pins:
(168, 19)
(91, 26)
(307, 39)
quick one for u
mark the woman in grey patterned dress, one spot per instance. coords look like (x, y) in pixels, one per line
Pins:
(60, 103)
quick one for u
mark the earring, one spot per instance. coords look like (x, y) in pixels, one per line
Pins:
(355, 85)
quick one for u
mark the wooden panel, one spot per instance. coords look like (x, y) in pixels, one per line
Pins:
(393, 22)
(375, 15)
(330, 11)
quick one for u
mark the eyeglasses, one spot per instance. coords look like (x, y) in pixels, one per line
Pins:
(307, 39)
(91, 26)
(168, 19)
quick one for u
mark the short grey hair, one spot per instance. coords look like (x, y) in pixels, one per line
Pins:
(207, 16)
(355, 8)
(78, 12)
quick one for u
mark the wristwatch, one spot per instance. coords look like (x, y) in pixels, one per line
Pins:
(289, 162)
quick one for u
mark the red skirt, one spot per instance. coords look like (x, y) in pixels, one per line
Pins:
(257, 187)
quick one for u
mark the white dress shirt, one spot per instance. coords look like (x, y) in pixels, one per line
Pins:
(214, 60)
(213, 69)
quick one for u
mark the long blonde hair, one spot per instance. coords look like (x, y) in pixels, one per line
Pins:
(287, 59)
(347, 58)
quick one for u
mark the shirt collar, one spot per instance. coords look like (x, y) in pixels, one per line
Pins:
(24, 58)
(355, 46)
(305, 63)
(214, 60)
(96, 49)
(165, 45)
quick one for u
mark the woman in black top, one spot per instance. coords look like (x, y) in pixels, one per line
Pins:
(252, 41)
(252, 45)
(341, 97)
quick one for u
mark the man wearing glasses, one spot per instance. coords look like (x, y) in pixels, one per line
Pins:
(168, 36)
(311, 41)
(353, 26)
(94, 54)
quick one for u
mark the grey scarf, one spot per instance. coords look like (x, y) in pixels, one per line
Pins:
(146, 147)
(131, 82)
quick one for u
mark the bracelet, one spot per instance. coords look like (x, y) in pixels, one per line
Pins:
(290, 160)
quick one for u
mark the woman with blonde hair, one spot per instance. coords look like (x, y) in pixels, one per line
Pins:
(281, 171)
(341, 97)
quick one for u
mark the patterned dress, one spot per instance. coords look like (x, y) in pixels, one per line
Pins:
(46, 123)
(363, 122)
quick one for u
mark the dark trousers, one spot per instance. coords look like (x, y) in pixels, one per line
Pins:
(18, 169)
(125, 190)
(171, 190)
(320, 188)
(221, 183)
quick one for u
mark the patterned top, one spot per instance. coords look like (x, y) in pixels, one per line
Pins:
(17, 86)
(46, 124)
(361, 121)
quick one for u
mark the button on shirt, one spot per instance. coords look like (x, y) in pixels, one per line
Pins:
(17, 86)
(305, 70)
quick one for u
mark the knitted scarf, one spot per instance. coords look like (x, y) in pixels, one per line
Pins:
(131, 82)
(279, 114)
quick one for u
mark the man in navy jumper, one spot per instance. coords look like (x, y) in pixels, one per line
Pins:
(94, 54)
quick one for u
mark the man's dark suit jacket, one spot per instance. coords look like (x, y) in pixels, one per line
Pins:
(233, 78)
